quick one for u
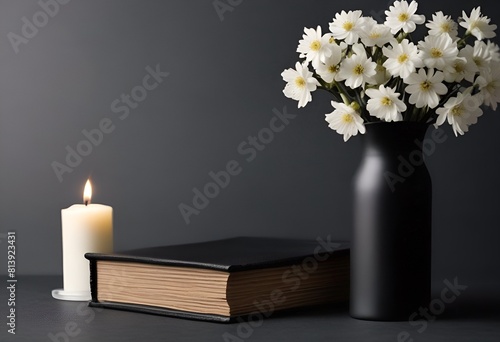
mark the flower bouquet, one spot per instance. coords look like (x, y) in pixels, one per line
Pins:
(378, 72)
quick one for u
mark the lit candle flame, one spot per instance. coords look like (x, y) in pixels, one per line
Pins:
(87, 192)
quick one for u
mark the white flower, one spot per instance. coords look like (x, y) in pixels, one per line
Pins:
(442, 24)
(478, 25)
(481, 56)
(300, 84)
(314, 47)
(458, 71)
(345, 120)
(385, 104)
(401, 16)
(425, 88)
(329, 70)
(375, 34)
(402, 59)
(489, 86)
(461, 112)
(347, 26)
(357, 70)
(463, 67)
(438, 52)
(493, 50)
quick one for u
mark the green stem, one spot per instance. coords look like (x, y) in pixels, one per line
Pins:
(344, 93)
(462, 42)
(335, 94)
(360, 101)
(399, 85)
(401, 36)
(422, 113)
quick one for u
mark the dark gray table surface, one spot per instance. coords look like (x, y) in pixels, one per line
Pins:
(473, 316)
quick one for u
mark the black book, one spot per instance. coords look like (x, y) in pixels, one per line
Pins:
(221, 280)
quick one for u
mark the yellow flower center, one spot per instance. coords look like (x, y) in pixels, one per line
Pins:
(457, 110)
(348, 26)
(459, 67)
(478, 61)
(425, 86)
(436, 53)
(403, 17)
(315, 45)
(331, 40)
(359, 69)
(333, 69)
(300, 82)
(446, 27)
(491, 87)
(375, 35)
(386, 101)
(347, 118)
(403, 58)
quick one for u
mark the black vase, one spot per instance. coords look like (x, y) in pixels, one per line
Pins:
(391, 238)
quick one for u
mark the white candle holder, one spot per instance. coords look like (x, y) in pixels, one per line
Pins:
(77, 296)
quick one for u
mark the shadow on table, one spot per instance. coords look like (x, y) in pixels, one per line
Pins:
(337, 310)
(473, 307)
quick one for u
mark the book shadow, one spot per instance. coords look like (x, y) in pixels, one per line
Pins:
(323, 310)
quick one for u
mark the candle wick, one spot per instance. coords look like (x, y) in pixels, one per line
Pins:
(86, 202)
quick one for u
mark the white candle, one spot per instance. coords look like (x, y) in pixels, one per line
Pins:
(85, 228)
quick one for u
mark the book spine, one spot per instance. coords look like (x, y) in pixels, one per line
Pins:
(93, 279)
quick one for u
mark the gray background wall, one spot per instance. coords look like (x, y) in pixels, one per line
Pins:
(223, 85)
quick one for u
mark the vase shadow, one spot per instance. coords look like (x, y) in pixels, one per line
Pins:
(485, 307)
